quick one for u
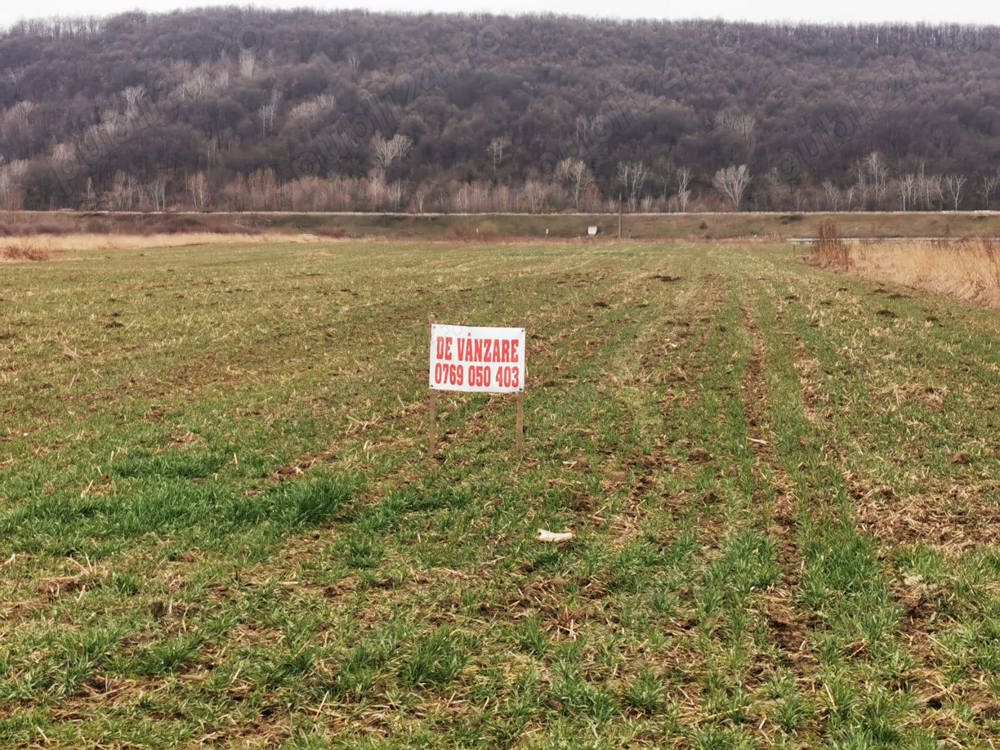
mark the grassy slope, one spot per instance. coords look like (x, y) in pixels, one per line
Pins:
(218, 523)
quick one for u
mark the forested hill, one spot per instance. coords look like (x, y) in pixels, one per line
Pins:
(237, 109)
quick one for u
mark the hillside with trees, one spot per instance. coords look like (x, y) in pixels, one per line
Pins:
(235, 109)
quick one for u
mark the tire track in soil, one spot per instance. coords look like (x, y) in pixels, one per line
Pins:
(696, 363)
(788, 625)
(687, 368)
(546, 598)
(660, 353)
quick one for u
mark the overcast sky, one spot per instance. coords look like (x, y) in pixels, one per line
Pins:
(959, 11)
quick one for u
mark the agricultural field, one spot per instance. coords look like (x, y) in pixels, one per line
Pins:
(219, 523)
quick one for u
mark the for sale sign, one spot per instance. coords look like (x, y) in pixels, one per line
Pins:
(477, 359)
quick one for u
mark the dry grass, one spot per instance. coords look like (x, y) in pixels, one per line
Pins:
(967, 269)
(21, 247)
(830, 250)
(20, 251)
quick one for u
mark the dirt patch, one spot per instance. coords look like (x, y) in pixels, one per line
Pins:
(929, 396)
(954, 521)
(807, 367)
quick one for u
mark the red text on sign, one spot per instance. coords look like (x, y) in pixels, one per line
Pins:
(445, 374)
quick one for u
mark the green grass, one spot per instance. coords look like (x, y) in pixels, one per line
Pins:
(219, 523)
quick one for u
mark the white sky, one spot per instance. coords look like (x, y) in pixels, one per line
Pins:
(957, 11)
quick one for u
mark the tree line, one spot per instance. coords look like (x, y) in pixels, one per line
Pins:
(240, 109)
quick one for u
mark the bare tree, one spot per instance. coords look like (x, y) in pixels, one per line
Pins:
(683, 194)
(954, 184)
(194, 87)
(18, 114)
(312, 108)
(878, 171)
(89, 196)
(11, 195)
(534, 194)
(197, 186)
(738, 123)
(394, 194)
(576, 174)
(849, 198)
(908, 190)
(134, 96)
(63, 153)
(929, 188)
(267, 113)
(212, 152)
(631, 176)
(376, 188)
(991, 183)
(123, 192)
(732, 182)
(262, 188)
(353, 61)
(592, 131)
(861, 183)
(496, 151)
(419, 197)
(832, 193)
(386, 151)
(156, 194)
(248, 63)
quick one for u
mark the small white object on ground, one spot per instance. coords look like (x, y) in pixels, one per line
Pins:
(554, 537)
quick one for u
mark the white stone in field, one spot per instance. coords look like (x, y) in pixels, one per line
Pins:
(554, 537)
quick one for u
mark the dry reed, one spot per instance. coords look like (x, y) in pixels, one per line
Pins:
(968, 269)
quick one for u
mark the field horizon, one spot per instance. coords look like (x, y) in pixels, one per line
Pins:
(759, 225)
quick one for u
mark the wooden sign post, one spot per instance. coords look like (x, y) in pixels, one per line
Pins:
(520, 424)
(472, 359)
(432, 406)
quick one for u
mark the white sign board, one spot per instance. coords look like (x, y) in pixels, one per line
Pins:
(477, 359)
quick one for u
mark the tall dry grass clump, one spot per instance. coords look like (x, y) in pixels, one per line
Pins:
(967, 269)
(22, 251)
(829, 250)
